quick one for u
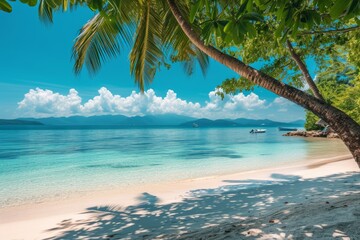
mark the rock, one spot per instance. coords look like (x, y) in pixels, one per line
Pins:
(318, 134)
(296, 133)
(313, 133)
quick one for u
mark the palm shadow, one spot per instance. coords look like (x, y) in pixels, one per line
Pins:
(238, 201)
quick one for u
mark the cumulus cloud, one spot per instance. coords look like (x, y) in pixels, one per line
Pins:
(41, 102)
(46, 103)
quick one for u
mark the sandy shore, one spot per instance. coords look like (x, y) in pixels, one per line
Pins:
(318, 199)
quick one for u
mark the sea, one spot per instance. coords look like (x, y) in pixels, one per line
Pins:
(39, 163)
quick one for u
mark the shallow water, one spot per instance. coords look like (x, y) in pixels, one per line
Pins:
(36, 164)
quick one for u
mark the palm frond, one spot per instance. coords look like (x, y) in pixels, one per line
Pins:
(47, 8)
(202, 59)
(189, 66)
(101, 38)
(146, 55)
(157, 32)
(181, 48)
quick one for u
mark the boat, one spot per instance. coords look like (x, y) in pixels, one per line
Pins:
(258, 131)
(195, 125)
(289, 129)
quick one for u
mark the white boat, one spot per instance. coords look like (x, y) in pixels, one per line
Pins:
(258, 131)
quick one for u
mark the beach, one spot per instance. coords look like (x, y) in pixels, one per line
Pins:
(318, 199)
(172, 119)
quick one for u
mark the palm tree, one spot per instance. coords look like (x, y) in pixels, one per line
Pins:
(160, 29)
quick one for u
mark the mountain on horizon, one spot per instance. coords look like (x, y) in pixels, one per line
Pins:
(241, 122)
(18, 122)
(204, 122)
(113, 120)
(150, 120)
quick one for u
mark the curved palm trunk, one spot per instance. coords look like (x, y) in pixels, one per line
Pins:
(346, 127)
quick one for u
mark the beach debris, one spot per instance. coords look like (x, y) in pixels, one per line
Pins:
(274, 221)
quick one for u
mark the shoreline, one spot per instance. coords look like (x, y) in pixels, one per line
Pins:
(309, 160)
(36, 218)
(311, 163)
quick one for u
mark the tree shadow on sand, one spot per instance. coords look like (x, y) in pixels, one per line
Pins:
(246, 208)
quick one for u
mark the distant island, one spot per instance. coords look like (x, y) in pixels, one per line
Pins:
(137, 121)
(240, 122)
(18, 122)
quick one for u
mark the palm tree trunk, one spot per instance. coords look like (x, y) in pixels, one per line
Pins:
(304, 71)
(346, 127)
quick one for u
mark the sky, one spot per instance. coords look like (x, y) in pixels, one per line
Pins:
(37, 79)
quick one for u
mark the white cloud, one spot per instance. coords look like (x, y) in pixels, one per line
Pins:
(232, 106)
(281, 101)
(282, 104)
(46, 103)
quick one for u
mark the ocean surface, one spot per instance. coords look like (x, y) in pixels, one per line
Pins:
(37, 164)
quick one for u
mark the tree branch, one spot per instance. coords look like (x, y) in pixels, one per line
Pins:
(304, 71)
(333, 31)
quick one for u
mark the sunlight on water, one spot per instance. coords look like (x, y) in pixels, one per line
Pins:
(40, 164)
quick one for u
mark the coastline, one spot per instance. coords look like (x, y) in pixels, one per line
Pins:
(35, 220)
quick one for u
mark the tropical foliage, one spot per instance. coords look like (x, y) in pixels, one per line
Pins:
(341, 93)
(311, 28)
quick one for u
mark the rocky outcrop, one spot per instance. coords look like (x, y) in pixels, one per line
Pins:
(329, 134)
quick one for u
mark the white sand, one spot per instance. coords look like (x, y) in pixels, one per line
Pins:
(289, 202)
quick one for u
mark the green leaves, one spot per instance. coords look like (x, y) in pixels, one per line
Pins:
(5, 6)
(101, 38)
(339, 8)
(229, 27)
(146, 55)
(31, 3)
(323, 5)
(233, 30)
(233, 85)
(178, 45)
(194, 10)
(342, 94)
(253, 16)
(237, 30)
(47, 7)
(96, 5)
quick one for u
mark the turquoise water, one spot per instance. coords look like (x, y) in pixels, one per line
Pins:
(36, 164)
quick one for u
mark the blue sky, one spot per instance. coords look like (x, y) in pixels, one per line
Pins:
(38, 56)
